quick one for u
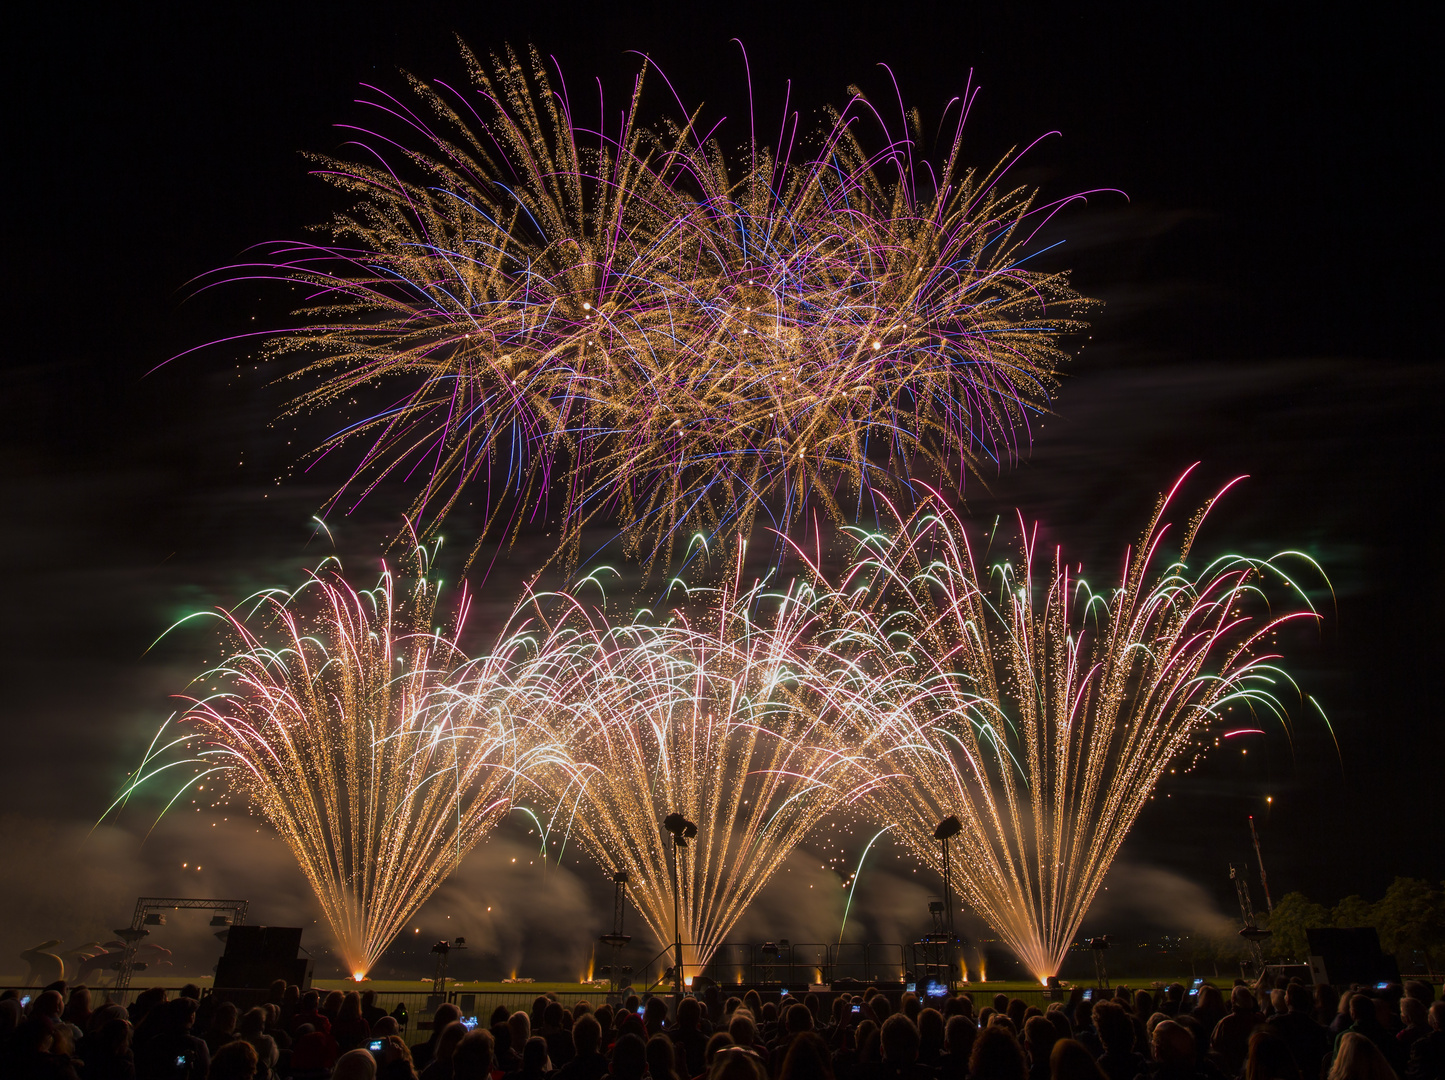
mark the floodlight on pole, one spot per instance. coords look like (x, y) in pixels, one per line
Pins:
(682, 831)
(948, 828)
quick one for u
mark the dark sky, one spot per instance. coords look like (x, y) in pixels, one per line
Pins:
(1267, 291)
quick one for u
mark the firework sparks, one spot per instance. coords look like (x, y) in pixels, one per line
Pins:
(335, 718)
(1043, 713)
(729, 720)
(629, 321)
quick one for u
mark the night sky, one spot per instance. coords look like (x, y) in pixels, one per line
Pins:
(1267, 311)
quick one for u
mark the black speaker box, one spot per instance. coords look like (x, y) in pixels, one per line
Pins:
(1349, 956)
(263, 942)
(256, 956)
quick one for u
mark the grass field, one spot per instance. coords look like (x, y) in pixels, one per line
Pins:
(569, 989)
(565, 990)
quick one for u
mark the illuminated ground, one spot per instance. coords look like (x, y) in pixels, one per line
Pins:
(562, 989)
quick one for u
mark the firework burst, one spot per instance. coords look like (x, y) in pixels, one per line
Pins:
(335, 717)
(729, 719)
(529, 316)
(1042, 713)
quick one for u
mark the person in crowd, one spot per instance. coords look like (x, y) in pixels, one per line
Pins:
(47, 1007)
(1039, 1038)
(559, 1038)
(898, 1043)
(1055, 1015)
(41, 1050)
(632, 1025)
(77, 1010)
(252, 1030)
(717, 1041)
(350, 1029)
(371, 1012)
(1119, 1061)
(222, 1026)
(996, 1055)
(588, 1062)
(1230, 1038)
(796, 1020)
(233, 1061)
(440, 1065)
(1276, 1003)
(1327, 1003)
(807, 1059)
(1342, 1018)
(1357, 1057)
(1069, 1060)
(308, 1012)
(1427, 1054)
(313, 1052)
(687, 1035)
(1175, 1053)
(399, 1014)
(173, 1052)
(446, 1013)
(1017, 1012)
(10, 1020)
(1414, 1022)
(475, 1057)
(1209, 1009)
(331, 1005)
(1387, 1008)
(387, 1025)
(275, 1026)
(742, 1030)
(737, 1063)
(535, 1063)
(654, 1016)
(359, 1064)
(107, 1054)
(850, 1059)
(290, 1006)
(395, 1061)
(98, 1018)
(1365, 1020)
(1269, 1058)
(519, 1030)
(661, 1058)
(629, 1058)
(930, 1037)
(958, 1036)
(1173, 1003)
(1307, 1039)
(1084, 1027)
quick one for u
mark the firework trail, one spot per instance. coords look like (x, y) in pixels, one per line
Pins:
(1043, 713)
(532, 317)
(334, 716)
(729, 719)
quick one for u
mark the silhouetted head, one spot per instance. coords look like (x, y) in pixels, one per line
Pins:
(629, 1058)
(1173, 1044)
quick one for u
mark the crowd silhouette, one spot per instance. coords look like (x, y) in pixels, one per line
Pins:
(1287, 1031)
